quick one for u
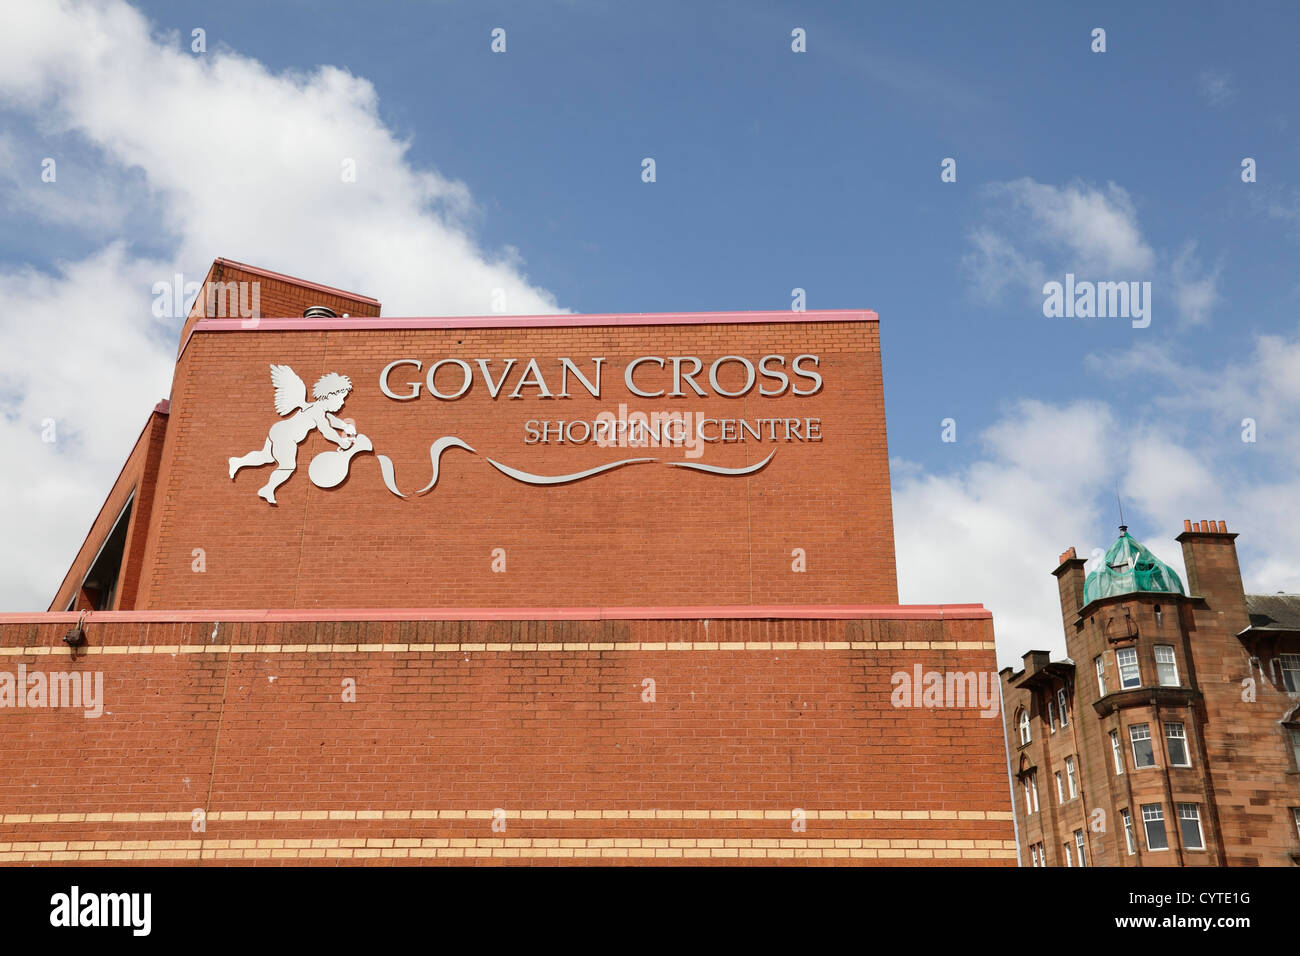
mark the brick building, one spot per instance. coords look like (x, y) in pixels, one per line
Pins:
(505, 589)
(1170, 736)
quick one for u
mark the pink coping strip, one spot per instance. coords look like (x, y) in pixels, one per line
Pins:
(886, 612)
(362, 322)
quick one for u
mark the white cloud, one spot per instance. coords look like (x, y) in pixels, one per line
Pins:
(991, 532)
(1278, 202)
(71, 358)
(1090, 232)
(1098, 227)
(238, 161)
(1264, 387)
(1045, 477)
(1216, 87)
(1166, 481)
(1196, 292)
(995, 263)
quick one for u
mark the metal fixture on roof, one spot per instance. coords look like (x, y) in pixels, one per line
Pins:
(319, 312)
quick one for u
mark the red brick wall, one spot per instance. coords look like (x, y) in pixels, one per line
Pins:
(278, 295)
(644, 535)
(752, 719)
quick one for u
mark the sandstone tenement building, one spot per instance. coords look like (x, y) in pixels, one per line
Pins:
(1171, 734)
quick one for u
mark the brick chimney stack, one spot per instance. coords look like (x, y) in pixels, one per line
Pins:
(1210, 556)
(1035, 661)
(1069, 578)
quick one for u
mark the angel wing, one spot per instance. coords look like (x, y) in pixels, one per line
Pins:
(290, 390)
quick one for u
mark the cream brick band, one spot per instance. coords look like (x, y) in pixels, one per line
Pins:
(231, 816)
(484, 648)
(362, 848)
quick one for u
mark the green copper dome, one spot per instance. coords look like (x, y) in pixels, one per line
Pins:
(1129, 567)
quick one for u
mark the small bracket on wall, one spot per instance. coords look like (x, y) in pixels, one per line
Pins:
(1120, 633)
(76, 637)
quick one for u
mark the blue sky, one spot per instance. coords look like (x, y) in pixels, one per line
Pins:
(775, 170)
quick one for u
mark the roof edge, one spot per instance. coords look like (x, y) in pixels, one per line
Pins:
(920, 612)
(305, 283)
(158, 410)
(557, 320)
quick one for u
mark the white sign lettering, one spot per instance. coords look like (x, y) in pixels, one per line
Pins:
(647, 376)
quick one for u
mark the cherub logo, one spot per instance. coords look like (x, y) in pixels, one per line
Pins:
(328, 468)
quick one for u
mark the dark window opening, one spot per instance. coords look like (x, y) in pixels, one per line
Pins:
(100, 585)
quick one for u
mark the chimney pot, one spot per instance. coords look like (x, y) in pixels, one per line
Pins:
(1035, 661)
(1187, 524)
